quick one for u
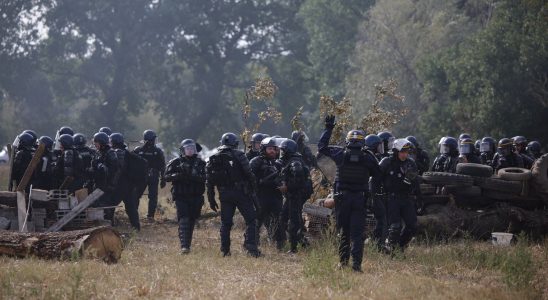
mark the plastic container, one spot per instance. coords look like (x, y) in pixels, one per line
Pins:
(501, 238)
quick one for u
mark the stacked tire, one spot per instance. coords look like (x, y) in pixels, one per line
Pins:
(475, 185)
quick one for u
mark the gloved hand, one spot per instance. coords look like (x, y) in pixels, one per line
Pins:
(329, 122)
(213, 205)
(162, 183)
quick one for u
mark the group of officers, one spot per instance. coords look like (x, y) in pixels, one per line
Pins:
(68, 162)
(269, 183)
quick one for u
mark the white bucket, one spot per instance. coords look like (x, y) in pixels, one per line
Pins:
(501, 238)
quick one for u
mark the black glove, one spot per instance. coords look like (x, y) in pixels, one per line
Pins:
(329, 122)
(162, 183)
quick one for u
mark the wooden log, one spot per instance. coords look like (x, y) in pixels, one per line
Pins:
(31, 167)
(76, 210)
(102, 243)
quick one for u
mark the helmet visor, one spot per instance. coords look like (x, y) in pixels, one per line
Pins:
(189, 150)
(485, 147)
(391, 142)
(465, 148)
(380, 148)
(444, 149)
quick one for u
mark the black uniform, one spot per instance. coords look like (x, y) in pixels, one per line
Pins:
(43, 175)
(229, 170)
(105, 172)
(251, 154)
(486, 158)
(156, 169)
(354, 168)
(69, 165)
(446, 163)
(422, 161)
(472, 158)
(124, 190)
(21, 161)
(511, 160)
(296, 176)
(399, 186)
(187, 175)
(270, 199)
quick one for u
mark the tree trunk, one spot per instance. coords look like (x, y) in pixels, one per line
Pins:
(102, 243)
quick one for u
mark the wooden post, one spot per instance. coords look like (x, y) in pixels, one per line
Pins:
(21, 211)
(76, 210)
(11, 153)
(31, 167)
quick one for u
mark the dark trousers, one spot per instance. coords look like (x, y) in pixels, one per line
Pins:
(230, 200)
(291, 218)
(379, 212)
(269, 215)
(127, 193)
(188, 211)
(152, 184)
(350, 217)
(401, 207)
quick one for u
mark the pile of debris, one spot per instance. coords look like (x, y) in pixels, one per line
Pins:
(473, 202)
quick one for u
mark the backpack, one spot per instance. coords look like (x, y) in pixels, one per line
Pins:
(223, 169)
(137, 168)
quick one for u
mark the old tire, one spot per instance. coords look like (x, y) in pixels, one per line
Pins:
(435, 199)
(499, 185)
(498, 195)
(477, 170)
(469, 191)
(514, 174)
(441, 178)
(427, 189)
(540, 174)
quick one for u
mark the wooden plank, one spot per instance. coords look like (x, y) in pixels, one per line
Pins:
(31, 167)
(76, 211)
(11, 152)
(316, 210)
(21, 211)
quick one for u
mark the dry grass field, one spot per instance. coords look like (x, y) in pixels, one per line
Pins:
(152, 268)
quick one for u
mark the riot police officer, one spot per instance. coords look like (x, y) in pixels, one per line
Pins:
(187, 176)
(34, 137)
(388, 140)
(255, 145)
(44, 172)
(520, 146)
(296, 187)
(24, 150)
(308, 157)
(266, 170)
(86, 153)
(488, 148)
(400, 181)
(69, 167)
(375, 145)
(467, 151)
(124, 191)
(506, 156)
(156, 168)
(354, 167)
(534, 149)
(422, 158)
(229, 171)
(104, 171)
(106, 130)
(448, 158)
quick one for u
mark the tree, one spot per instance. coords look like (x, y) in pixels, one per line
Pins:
(494, 83)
